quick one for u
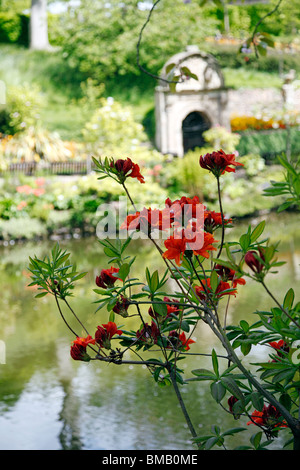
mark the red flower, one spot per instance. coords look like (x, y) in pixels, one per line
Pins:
(228, 274)
(136, 173)
(269, 417)
(280, 345)
(123, 168)
(204, 291)
(208, 240)
(148, 220)
(121, 306)
(213, 220)
(131, 222)
(231, 401)
(104, 334)
(175, 248)
(148, 334)
(185, 209)
(78, 348)
(219, 162)
(107, 278)
(179, 341)
(252, 259)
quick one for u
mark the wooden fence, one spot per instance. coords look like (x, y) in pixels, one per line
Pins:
(54, 168)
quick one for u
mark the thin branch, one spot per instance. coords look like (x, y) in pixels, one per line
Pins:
(260, 22)
(139, 45)
(279, 305)
(222, 216)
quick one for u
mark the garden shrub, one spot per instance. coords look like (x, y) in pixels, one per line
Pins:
(39, 145)
(269, 144)
(10, 27)
(22, 108)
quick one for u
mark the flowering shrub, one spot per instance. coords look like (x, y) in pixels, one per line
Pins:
(38, 145)
(264, 122)
(190, 242)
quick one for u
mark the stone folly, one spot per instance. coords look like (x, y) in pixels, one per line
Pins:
(195, 106)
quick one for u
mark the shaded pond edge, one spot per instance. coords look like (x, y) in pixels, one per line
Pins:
(89, 231)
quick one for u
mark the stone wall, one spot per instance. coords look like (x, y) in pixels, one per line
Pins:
(254, 100)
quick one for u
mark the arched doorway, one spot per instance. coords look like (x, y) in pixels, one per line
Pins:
(193, 127)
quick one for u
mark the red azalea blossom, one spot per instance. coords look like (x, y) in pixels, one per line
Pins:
(179, 341)
(136, 173)
(78, 348)
(280, 345)
(228, 274)
(147, 220)
(175, 249)
(269, 417)
(149, 333)
(252, 260)
(207, 246)
(107, 278)
(219, 292)
(213, 220)
(185, 209)
(104, 334)
(123, 168)
(219, 162)
(172, 308)
(231, 401)
(131, 222)
(121, 306)
(188, 239)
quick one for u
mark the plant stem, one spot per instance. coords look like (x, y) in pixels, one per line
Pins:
(222, 215)
(279, 305)
(181, 402)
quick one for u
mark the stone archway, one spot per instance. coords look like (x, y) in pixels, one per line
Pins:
(200, 103)
(193, 126)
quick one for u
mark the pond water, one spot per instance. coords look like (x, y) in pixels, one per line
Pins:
(49, 401)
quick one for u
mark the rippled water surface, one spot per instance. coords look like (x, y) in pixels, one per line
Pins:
(48, 401)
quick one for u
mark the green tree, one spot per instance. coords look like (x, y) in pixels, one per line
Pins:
(101, 38)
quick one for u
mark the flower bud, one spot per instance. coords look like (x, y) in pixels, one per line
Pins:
(252, 260)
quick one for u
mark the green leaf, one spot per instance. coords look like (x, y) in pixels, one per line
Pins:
(232, 431)
(214, 280)
(244, 325)
(233, 388)
(78, 276)
(289, 299)
(154, 281)
(283, 161)
(215, 362)
(123, 271)
(245, 241)
(256, 439)
(110, 252)
(218, 391)
(257, 231)
(212, 441)
(257, 401)
(161, 309)
(42, 294)
(111, 316)
(245, 348)
(170, 67)
(204, 374)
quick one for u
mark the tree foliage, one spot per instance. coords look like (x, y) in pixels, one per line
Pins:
(101, 39)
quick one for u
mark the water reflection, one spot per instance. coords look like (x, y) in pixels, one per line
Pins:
(47, 401)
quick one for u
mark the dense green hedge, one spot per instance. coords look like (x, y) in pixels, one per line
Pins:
(14, 28)
(269, 144)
